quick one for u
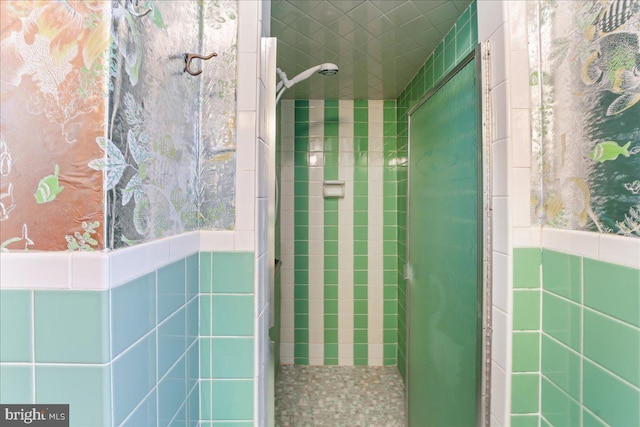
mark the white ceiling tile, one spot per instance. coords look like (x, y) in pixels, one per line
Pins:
(379, 45)
(364, 13)
(405, 12)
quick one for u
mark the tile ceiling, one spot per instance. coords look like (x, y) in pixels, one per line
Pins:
(379, 45)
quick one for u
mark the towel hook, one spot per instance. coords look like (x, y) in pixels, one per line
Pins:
(188, 57)
(130, 6)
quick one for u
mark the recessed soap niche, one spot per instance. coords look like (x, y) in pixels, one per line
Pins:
(333, 189)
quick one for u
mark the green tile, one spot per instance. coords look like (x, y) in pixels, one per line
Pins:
(206, 351)
(330, 321)
(16, 383)
(233, 272)
(331, 336)
(330, 248)
(301, 321)
(15, 326)
(524, 393)
(360, 351)
(301, 350)
(360, 336)
(561, 366)
(360, 262)
(360, 115)
(301, 336)
(85, 388)
(72, 326)
(526, 267)
(133, 311)
(232, 357)
(360, 307)
(613, 290)
(232, 315)
(557, 407)
(331, 350)
(301, 306)
(360, 292)
(526, 309)
(301, 291)
(609, 398)
(331, 262)
(331, 306)
(390, 307)
(232, 399)
(360, 129)
(524, 420)
(330, 292)
(612, 344)
(171, 288)
(360, 277)
(526, 350)
(562, 274)
(561, 319)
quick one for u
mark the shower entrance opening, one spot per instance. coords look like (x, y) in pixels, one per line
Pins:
(445, 254)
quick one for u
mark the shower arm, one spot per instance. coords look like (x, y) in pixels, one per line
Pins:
(285, 83)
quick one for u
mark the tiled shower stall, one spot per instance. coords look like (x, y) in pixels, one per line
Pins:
(174, 328)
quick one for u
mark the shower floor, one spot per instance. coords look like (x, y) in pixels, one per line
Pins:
(339, 396)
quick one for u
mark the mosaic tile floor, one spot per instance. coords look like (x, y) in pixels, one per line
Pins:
(339, 396)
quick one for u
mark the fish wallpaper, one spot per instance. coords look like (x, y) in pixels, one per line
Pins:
(136, 148)
(585, 91)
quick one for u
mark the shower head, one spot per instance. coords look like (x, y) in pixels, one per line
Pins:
(326, 69)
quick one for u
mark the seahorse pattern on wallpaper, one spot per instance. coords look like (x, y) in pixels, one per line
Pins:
(168, 155)
(52, 89)
(585, 87)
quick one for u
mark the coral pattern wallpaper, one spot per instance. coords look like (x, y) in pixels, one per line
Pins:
(53, 88)
(587, 156)
(106, 140)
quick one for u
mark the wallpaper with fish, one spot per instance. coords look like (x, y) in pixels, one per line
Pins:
(105, 140)
(585, 81)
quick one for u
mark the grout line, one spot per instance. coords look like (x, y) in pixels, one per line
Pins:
(143, 400)
(611, 318)
(584, 408)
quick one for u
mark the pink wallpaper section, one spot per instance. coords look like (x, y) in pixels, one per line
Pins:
(52, 98)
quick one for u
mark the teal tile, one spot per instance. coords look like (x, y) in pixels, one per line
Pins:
(232, 315)
(134, 375)
(562, 274)
(172, 341)
(526, 351)
(557, 407)
(193, 365)
(613, 290)
(84, 388)
(562, 320)
(609, 398)
(526, 310)
(15, 326)
(612, 344)
(172, 393)
(16, 384)
(233, 272)
(206, 261)
(526, 267)
(133, 311)
(232, 358)
(590, 420)
(145, 415)
(205, 315)
(524, 393)
(561, 366)
(193, 277)
(233, 399)
(192, 321)
(233, 424)
(171, 289)
(72, 326)
(193, 407)
(206, 357)
(524, 420)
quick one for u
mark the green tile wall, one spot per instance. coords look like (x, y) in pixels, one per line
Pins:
(589, 350)
(457, 44)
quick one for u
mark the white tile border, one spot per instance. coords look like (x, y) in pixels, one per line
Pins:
(105, 270)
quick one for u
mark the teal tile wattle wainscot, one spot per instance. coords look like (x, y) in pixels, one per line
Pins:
(576, 341)
(172, 347)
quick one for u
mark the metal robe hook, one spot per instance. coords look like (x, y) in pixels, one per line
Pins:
(188, 57)
(130, 6)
